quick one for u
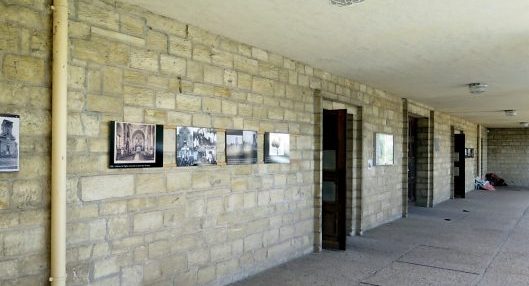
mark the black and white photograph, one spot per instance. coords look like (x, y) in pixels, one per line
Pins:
(196, 146)
(136, 145)
(9, 143)
(241, 147)
(277, 148)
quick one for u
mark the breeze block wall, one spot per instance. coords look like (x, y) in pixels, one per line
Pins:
(25, 41)
(508, 151)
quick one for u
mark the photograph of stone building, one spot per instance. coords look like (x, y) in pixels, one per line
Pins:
(134, 143)
(277, 148)
(9, 143)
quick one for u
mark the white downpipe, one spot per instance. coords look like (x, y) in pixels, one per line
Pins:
(58, 142)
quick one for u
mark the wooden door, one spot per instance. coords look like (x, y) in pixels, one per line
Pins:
(333, 184)
(459, 165)
(412, 159)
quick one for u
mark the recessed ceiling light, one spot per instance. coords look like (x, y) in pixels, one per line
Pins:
(524, 124)
(510, 112)
(344, 2)
(477, 88)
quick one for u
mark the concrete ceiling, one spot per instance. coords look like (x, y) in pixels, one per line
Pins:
(423, 50)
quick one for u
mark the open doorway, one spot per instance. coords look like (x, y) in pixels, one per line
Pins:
(334, 179)
(459, 165)
(412, 160)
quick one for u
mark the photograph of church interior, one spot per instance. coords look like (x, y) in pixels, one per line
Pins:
(247, 142)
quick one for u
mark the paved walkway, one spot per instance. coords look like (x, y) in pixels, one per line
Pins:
(481, 240)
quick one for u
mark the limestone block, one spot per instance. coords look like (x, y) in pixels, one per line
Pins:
(144, 222)
(145, 60)
(220, 252)
(260, 54)
(5, 188)
(113, 208)
(221, 58)
(99, 14)
(188, 102)
(180, 47)
(112, 80)
(25, 68)
(156, 41)
(173, 65)
(195, 71)
(105, 187)
(227, 267)
(244, 81)
(201, 120)
(150, 183)
(269, 71)
(101, 51)
(174, 264)
(137, 96)
(78, 29)
(211, 105)
(105, 267)
(213, 74)
(8, 269)
(132, 25)
(28, 193)
(179, 118)
(162, 23)
(215, 206)
(135, 41)
(106, 104)
(24, 241)
(132, 275)
(195, 208)
(263, 86)
(201, 53)
(8, 38)
(178, 181)
(151, 270)
(245, 64)
(198, 257)
(8, 220)
(133, 114)
(24, 17)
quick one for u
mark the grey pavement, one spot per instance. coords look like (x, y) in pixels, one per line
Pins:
(480, 240)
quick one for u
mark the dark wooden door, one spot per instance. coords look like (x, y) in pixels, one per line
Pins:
(333, 184)
(459, 165)
(412, 159)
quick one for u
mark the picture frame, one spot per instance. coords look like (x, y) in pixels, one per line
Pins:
(384, 149)
(9, 143)
(135, 145)
(276, 148)
(196, 146)
(241, 147)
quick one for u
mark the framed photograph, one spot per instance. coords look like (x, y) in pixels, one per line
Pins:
(136, 145)
(241, 147)
(277, 148)
(196, 146)
(9, 143)
(383, 149)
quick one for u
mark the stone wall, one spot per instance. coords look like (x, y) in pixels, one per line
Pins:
(25, 90)
(184, 226)
(508, 151)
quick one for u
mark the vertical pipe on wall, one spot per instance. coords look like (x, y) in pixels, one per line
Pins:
(58, 151)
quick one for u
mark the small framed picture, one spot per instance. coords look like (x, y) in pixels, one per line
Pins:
(277, 148)
(241, 147)
(9, 143)
(384, 149)
(196, 146)
(136, 145)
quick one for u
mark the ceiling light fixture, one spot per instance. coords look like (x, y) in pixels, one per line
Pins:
(524, 124)
(477, 88)
(342, 3)
(510, 112)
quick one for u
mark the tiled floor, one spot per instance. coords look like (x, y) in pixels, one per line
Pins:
(485, 242)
